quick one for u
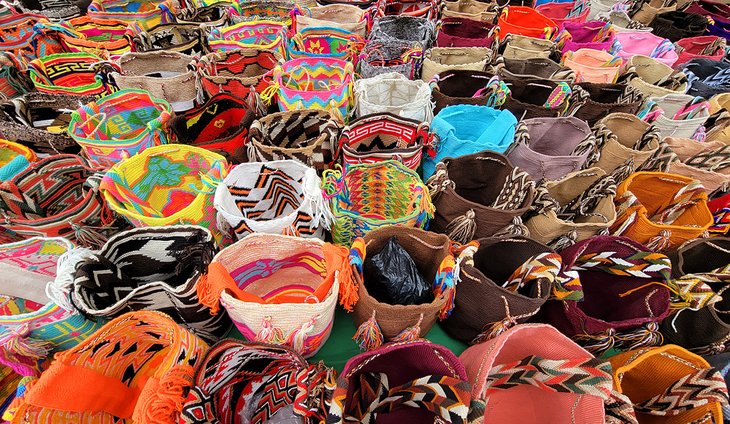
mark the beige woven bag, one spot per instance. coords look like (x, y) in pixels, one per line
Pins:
(343, 16)
(645, 74)
(440, 59)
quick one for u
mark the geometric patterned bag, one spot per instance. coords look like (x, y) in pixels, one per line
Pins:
(237, 71)
(372, 195)
(119, 126)
(58, 197)
(166, 185)
(275, 197)
(66, 73)
(153, 269)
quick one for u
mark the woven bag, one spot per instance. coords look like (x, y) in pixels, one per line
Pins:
(707, 77)
(267, 10)
(166, 185)
(153, 269)
(208, 17)
(380, 137)
(470, 9)
(386, 56)
(275, 382)
(405, 28)
(236, 71)
(119, 126)
(595, 35)
(574, 208)
(274, 197)
(677, 25)
(478, 196)
(100, 37)
(147, 13)
(461, 32)
(66, 73)
(278, 289)
(221, 125)
(325, 42)
(40, 121)
(58, 197)
(441, 59)
(502, 283)
(426, 9)
(393, 93)
(702, 47)
(703, 161)
(619, 310)
(259, 34)
(652, 78)
(661, 210)
(409, 382)
(594, 66)
(604, 99)
(526, 21)
(540, 98)
(19, 37)
(630, 44)
(14, 158)
(622, 137)
(185, 38)
(679, 115)
(308, 135)
(516, 46)
(14, 81)
(532, 69)
(31, 325)
(166, 75)
(562, 13)
(343, 16)
(312, 83)
(371, 195)
(380, 322)
(143, 361)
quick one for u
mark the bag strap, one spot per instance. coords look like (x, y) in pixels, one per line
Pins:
(700, 388)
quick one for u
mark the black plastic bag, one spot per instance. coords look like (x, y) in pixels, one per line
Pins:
(392, 277)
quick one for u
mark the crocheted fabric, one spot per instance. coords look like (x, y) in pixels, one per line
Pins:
(100, 37)
(13, 82)
(368, 196)
(235, 72)
(58, 196)
(275, 197)
(119, 126)
(166, 185)
(66, 73)
(14, 158)
(269, 10)
(258, 383)
(143, 360)
(133, 271)
(20, 38)
(259, 34)
(186, 38)
(278, 289)
(325, 42)
(146, 14)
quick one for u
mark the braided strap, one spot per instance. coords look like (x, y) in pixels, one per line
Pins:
(700, 388)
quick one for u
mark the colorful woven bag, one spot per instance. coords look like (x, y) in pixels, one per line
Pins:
(343, 16)
(259, 34)
(274, 197)
(565, 12)
(146, 13)
(325, 42)
(143, 361)
(629, 44)
(408, 382)
(308, 136)
(14, 158)
(32, 326)
(661, 210)
(386, 56)
(14, 81)
(166, 185)
(372, 195)
(267, 10)
(221, 125)
(207, 17)
(313, 83)
(380, 321)
(104, 38)
(185, 38)
(278, 289)
(393, 93)
(623, 137)
(58, 197)
(595, 35)
(119, 126)
(152, 269)
(252, 382)
(594, 66)
(526, 21)
(380, 137)
(237, 71)
(66, 73)
(20, 37)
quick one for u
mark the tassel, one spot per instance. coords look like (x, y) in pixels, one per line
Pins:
(349, 288)
(463, 228)
(597, 344)
(495, 330)
(660, 242)
(445, 285)
(318, 205)
(88, 236)
(269, 333)
(163, 402)
(267, 95)
(299, 336)
(642, 337)
(206, 296)
(22, 353)
(368, 335)
(411, 333)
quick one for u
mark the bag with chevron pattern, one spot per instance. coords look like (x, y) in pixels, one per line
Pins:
(367, 196)
(410, 382)
(274, 197)
(278, 289)
(313, 83)
(259, 34)
(237, 71)
(325, 42)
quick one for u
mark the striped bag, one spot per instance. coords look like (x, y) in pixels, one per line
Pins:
(104, 38)
(237, 71)
(166, 185)
(372, 195)
(119, 126)
(278, 289)
(146, 13)
(14, 157)
(308, 135)
(313, 83)
(66, 73)
(58, 197)
(259, 34)
(274, 197)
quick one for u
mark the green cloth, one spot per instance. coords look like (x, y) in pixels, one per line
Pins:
(340, 347)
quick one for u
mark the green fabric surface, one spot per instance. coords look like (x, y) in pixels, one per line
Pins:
(340, 347)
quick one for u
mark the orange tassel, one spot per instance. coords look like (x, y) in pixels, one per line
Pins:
(349, 295)
(411, 333)
(368, 335)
